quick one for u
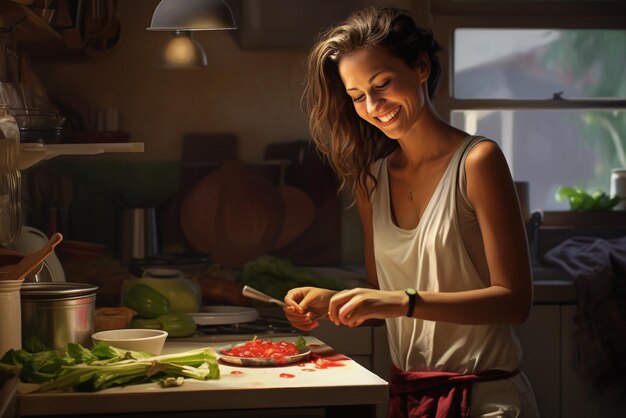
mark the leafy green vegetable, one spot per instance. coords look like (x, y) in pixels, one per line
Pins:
(300, 343)
(80, 369)
(35, 345)
(103, 351)
(276, 276)
(581, 200)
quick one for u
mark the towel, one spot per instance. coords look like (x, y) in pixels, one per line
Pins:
(589, 257)
(435, 394)
(598, 267)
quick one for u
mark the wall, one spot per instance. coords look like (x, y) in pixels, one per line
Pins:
(254, 95)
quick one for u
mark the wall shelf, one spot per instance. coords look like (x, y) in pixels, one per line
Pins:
(30, 29)
(31, 154)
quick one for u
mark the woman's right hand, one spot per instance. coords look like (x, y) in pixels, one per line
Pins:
(305, 305)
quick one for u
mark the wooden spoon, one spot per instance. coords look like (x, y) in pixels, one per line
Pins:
(32, 260)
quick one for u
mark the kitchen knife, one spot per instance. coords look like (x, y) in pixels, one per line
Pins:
(252, 293)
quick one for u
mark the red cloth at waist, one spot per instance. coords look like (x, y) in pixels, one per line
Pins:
(435, 394)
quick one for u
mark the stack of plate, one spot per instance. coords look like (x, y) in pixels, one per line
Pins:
(224, 315)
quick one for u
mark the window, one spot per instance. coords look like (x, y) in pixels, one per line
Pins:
(543, 79)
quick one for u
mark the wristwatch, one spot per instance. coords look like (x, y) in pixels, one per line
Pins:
(412, 294)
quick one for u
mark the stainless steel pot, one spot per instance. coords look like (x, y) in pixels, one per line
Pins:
(58, 313)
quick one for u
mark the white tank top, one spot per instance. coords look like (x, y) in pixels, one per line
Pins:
(433, 257)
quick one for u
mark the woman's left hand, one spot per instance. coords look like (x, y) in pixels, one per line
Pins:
(352, 307)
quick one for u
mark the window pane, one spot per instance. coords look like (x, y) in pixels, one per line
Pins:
(536, 64)
(554, 148)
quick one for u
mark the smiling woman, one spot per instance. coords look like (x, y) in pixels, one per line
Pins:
(446, 254)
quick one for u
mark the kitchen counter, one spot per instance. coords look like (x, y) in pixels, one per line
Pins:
(239, 388)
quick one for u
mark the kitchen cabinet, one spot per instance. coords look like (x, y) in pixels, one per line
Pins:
(8, 398)
(578, 399)
(540, 338)
(573, 401)
(547, 340)
(365, 345)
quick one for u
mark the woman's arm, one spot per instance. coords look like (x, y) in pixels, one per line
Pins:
(365, 214)
(508, 298)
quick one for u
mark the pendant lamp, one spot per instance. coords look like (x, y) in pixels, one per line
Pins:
(182, 17)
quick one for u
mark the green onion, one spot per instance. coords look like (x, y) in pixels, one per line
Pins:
(80, 369)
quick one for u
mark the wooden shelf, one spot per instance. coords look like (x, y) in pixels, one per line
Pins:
(30, 29)
(584, 219)
(31, 154)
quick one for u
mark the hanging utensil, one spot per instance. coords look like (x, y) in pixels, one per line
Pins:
(32, 260)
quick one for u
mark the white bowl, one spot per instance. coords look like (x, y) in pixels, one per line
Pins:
(145, 340)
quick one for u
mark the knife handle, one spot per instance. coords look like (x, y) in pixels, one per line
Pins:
(252, 293)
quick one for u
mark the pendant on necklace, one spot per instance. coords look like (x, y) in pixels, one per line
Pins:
(411, 195)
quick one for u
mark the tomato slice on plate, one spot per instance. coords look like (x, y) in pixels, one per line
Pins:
(259, 352)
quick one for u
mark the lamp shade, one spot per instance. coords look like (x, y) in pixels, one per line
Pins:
(192, 15)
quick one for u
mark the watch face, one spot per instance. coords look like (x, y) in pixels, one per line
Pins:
(410, 291)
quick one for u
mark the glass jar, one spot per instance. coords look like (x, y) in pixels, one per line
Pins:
(10, 178)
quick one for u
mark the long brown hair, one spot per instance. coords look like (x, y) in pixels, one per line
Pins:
(348, 142)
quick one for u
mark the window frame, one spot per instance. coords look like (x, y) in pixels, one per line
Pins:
(515, 7)
(449, 15)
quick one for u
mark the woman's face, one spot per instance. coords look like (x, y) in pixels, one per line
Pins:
(385, 91)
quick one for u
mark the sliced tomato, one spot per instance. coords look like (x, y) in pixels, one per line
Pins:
(263, 349)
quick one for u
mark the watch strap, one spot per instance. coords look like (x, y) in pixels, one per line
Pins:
(412, 294)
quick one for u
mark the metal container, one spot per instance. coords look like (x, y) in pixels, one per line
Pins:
(618, 186)
(139, 234)
(58, 313)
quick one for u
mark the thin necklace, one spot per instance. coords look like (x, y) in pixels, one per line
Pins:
(410, 196)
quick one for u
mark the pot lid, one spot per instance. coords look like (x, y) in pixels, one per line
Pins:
(47, 290)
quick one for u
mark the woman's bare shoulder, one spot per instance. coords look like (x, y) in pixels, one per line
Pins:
(485, 154)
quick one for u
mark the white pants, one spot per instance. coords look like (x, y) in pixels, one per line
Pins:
(506, 398)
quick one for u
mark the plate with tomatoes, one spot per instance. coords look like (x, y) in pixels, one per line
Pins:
(270, 352)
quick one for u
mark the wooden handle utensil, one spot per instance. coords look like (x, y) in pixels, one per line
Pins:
(32, 260)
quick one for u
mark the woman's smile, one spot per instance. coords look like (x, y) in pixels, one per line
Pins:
(388, 117)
